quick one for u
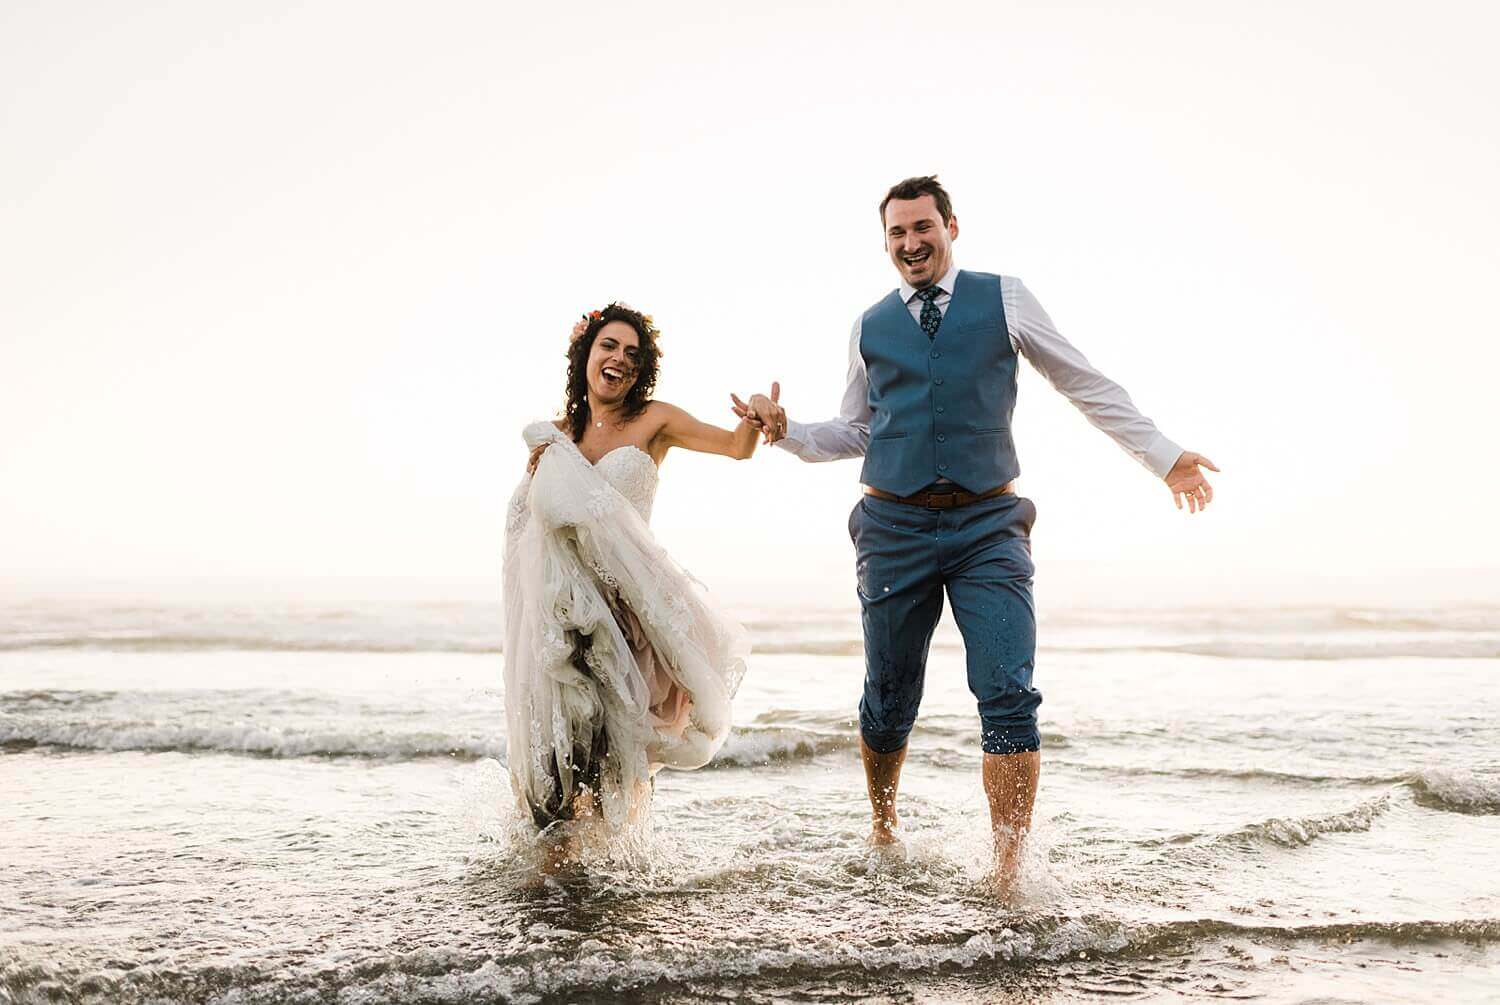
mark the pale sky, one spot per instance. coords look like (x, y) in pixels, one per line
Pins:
(283, 282)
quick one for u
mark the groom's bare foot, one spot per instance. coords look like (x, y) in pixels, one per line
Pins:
(1010, 785)
(1003, 887)
(1009, 844)
(882, 778)
(883, 833)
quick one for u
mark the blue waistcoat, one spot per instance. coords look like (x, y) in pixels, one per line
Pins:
(942, 407)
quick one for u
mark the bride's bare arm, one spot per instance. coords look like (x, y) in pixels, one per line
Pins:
(680, 429)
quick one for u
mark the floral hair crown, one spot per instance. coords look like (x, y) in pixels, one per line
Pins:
(582, 324)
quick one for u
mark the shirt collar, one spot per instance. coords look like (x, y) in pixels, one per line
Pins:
(945, 284)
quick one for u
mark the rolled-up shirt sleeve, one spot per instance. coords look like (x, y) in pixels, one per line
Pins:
(848, 435)
(1103, 402)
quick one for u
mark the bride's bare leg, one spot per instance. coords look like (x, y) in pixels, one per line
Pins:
(562, 850)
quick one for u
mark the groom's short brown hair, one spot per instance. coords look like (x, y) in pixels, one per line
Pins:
(914, 188)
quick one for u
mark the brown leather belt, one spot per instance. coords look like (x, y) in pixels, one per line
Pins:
(941, 498)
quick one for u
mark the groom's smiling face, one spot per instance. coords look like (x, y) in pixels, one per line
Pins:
(918, 241)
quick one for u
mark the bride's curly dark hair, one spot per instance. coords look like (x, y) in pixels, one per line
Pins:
(576, 410)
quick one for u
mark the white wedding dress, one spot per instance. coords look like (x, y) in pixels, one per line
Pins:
(617, 663)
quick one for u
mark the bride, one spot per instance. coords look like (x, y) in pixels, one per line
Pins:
(617, 663)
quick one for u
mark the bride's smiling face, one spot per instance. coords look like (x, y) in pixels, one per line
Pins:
(614, 362)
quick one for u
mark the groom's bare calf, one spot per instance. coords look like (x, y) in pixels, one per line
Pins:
(1010, 785)
(882, 779)
(1010, 782)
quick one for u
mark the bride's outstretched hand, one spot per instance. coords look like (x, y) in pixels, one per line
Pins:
(764, 413)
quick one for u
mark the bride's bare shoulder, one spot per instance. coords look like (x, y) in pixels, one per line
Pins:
(660, 412)
(658, 415)
(561, 424)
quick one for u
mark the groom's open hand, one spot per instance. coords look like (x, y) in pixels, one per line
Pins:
(1187, 482)
(763, 413)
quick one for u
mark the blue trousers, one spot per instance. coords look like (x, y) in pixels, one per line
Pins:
(981, 554)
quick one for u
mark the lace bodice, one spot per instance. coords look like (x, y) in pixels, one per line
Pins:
(633, 474)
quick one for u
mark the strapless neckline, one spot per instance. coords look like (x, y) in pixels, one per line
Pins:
(623, 446)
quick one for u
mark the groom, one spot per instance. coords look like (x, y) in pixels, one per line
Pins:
(931, 388)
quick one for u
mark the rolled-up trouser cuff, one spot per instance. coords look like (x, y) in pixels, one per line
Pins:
(1003, 738)
(883, 743)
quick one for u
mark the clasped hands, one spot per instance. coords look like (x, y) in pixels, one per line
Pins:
(764, 413)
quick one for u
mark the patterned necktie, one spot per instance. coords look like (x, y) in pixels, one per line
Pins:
(931, 316)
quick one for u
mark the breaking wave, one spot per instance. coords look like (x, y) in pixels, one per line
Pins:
(744, 748)
(1456, 790)
(1229, 774)
(259, 642)
(1309, 649)
(1291, 832)
(1271, 634)
(596, 968)
(254, 740)
(752, 746)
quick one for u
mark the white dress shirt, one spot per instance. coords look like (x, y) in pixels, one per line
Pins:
(1103, 402)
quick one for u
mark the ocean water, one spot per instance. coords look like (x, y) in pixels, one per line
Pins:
(299, 802)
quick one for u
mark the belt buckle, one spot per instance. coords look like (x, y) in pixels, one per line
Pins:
(949, 500)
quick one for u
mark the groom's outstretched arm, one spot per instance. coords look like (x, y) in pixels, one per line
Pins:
(847, 435)
(1103, 402)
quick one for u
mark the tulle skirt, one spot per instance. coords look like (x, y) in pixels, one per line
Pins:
(617, 661)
